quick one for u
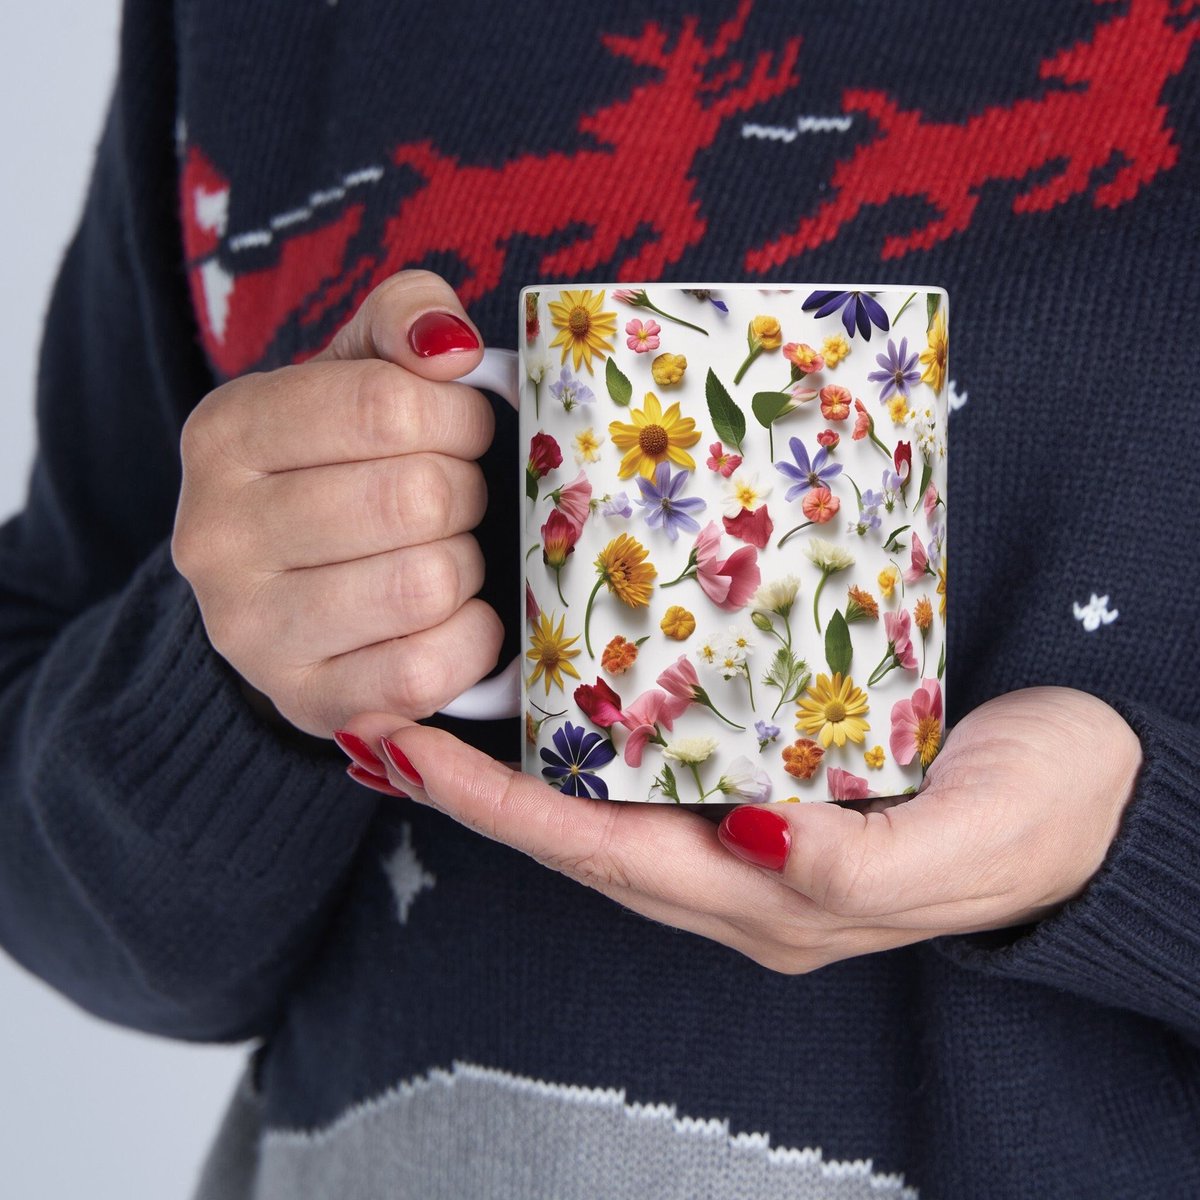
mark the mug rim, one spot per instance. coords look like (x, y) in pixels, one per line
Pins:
(742, 285)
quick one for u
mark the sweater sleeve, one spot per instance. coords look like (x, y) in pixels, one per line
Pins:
(167, 860)
(1131, 940)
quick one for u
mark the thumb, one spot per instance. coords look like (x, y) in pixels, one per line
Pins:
(857, 864)
(414, 320)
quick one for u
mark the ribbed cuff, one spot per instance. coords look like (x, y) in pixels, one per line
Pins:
(186, 760)
(1131, 940)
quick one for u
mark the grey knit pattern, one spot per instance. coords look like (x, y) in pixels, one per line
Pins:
(475, 1131)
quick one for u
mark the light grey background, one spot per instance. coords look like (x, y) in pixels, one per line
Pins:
(86, 1110)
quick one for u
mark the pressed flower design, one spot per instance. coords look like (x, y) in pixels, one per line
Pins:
(551, 652)
(833, 711)
(623, 569)
(666, 508)
(577, 756)
(656, 541)
(653, 437)
(584, 330)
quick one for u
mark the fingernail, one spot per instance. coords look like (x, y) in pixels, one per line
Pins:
(758, 836)
(435, 333)
(352, 745)
(400, 763)
(375, 782)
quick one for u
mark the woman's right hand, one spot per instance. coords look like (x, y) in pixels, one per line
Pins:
(324, 515)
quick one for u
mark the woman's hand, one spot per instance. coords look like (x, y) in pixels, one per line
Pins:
(1015, 816)
(324, 516)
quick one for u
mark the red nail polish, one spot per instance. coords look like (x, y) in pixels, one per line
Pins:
(399, 761)
(758, 836)
(375, 782)
(435, 333)
(352, 745)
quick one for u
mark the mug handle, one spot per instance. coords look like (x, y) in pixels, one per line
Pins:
(499, 696)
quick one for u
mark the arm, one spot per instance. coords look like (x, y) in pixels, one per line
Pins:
(167, 858)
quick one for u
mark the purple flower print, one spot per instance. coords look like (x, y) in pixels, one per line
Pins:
(664, 508)
(579, 754)
(859, 310)
(899, 370)
(570, 392)
(807, 473)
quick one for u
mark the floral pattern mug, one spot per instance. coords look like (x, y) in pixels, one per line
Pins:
(734, 535)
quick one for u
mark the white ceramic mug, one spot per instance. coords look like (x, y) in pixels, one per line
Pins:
(734, 539)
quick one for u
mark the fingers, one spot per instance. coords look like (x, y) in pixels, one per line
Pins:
(411, 676)
(649, 857)
(345, 511)
(875, 865)
(338, 412)
(414, 320)
(341, 607)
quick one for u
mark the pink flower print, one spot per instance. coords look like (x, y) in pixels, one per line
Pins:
(533, 610)
(544, 455)
(835, 402)
(728, 583)
(680, 680)
(643, 717)
(829, 438)
(918, 561)
(753, 528)
(930, 501)
(573, 500)
(721, 461)
(862, 422)
(626, 295)
(599, 703)
(683, 685)
(820, 505)
(643, 335)
(844, 786)
(899, 636)
(917, 724)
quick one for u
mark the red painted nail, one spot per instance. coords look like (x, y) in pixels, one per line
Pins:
(360, 752)
(758, 836)
(375, 782)
(399, 761)
(435, 333)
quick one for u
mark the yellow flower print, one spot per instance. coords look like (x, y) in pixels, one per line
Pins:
(668, 369)
(583, 330)
(834, 349)
(678, 623)
(653, 437)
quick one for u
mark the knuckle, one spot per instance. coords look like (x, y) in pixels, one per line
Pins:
(488, 634)
(377, 413)
(396, 505)
(212, 427)
(419, 685)
(397, 289)
(304, 701)
(200, 427)
(426, 586)
(428, 495)
(185, 548)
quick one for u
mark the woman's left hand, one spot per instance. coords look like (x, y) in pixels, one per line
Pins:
(1015, 816)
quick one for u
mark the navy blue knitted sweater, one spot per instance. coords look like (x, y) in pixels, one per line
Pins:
(437, 1015)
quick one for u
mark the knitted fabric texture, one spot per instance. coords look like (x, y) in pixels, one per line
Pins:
(428, 1001)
